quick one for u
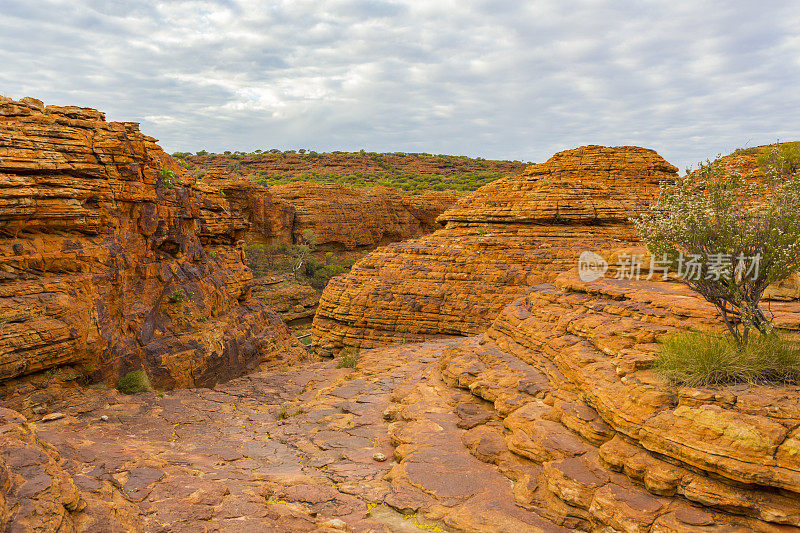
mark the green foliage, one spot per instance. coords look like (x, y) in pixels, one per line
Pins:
(201, 153)
(782, 158)
(323, 274)
(62, 373)
(181, 155)
(283, 412)
(348, 358)
(460, 173)
(134, 382)
(54, 371)
(266, 260)
(558, 218)
(704, 359)
(408, 182)
(309, 238)
(166, 178)
(721, 218)
(180, 296)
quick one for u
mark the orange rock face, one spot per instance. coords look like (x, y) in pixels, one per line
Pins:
(112, 259)
(498, 241)
(338, 217)
(552, 420)
(606, 441)
(349, 218)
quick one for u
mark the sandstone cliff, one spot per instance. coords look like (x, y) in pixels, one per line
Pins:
(112, 259)
(348, 218)
(501, 239)
(340, 218)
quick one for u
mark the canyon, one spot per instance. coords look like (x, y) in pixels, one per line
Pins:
(494, 390)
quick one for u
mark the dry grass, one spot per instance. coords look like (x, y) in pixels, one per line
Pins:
(704, 359)
(348, 358)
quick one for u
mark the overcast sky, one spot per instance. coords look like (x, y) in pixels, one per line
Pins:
(499, 79)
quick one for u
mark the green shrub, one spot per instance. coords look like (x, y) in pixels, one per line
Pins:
(166, 178)
(322, 275)
(747, 151)
(783, 158)
(348, 358)
(134, 382)
(179, 296)
(283, 412)
(710, 216)
(705, 359)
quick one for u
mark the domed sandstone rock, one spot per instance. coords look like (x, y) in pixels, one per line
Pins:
(498, 241)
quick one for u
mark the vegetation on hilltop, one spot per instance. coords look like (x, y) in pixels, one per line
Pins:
(409, 172)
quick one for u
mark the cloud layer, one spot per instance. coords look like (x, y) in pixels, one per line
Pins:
(500, 79)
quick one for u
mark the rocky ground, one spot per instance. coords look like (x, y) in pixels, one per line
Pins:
(311, 448)
(550, 421)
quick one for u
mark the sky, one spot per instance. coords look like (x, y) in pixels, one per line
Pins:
(498, 79)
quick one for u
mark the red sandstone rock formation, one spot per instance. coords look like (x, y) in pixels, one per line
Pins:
(101, 236)
(349, 218)
(340, 218)
(550, 421)
(606, 441)
(499, 240)
(38, 494)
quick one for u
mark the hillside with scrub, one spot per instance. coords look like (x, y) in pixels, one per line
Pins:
(412, 173)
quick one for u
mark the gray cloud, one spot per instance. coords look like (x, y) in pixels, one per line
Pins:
(499, 78)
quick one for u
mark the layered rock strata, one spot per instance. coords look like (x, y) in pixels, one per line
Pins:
(112, 259)
(349, 218)
(498, 241)
(336, 217)
(608, 442)
(294, 302)
(552, 420)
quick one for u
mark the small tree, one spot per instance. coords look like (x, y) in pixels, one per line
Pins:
(301, 256)
(739, 236)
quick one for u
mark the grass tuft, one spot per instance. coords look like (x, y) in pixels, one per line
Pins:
(702, 359)
(134, 382)
(348, 358)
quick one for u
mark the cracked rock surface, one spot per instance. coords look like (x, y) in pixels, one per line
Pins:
(550, 421)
